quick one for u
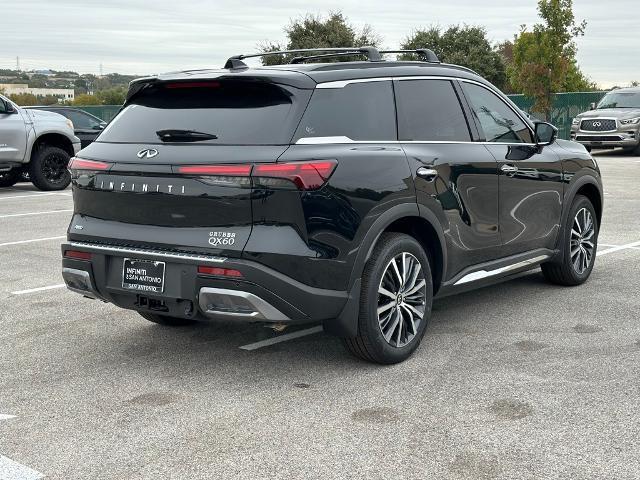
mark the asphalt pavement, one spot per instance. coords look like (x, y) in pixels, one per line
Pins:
(522, 380)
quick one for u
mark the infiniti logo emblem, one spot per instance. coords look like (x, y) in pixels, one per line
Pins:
(595, 124)
(147, 153)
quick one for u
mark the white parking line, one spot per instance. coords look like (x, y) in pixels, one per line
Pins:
(281, 338)
(618, 248)
(32, 240)
(38, 289)
(35, 195)
(35, 213)
(10, 470)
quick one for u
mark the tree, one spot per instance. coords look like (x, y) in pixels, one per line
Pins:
(314, 31)
(85, 99)
(112, 96)
(544, 59)
(466, 45)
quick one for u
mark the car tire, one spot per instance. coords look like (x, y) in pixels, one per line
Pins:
(48, 169)
(10, 178)
(395, 302)
(166, 320)
(580, 237)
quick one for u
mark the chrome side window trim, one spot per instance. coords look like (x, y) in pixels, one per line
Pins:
(344, 83)
(347, 140)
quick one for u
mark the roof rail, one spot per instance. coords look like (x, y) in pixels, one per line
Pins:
(371, 53)
(426, 54)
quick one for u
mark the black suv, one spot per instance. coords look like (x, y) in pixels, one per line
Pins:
(348, 193)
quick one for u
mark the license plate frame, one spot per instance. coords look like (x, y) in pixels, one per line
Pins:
(149, 281)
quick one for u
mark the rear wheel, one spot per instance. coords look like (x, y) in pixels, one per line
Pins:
(48, 169)
(10, 178)
(166, 319)
(395, 301)
(581, 242)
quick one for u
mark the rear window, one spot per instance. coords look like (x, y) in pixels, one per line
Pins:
(237, 113)
(360, 111)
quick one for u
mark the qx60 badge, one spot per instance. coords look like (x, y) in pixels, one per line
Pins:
(147, 153)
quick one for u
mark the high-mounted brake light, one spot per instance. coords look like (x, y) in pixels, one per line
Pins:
(77, 255)
(219, 272)
(305, 175)
(216, 170)
(82, 164)
(193, 85)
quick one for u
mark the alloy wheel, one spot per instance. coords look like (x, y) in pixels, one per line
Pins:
(582, 244)
(402, 297)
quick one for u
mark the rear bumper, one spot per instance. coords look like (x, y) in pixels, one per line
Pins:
(262, 294)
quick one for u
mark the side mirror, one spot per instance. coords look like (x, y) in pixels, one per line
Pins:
(99, 126)
(592, 106)
(546, 133)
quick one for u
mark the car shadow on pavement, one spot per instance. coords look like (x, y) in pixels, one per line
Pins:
(204, 346)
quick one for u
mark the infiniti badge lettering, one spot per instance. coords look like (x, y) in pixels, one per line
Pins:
(147, 153)
(139, 187)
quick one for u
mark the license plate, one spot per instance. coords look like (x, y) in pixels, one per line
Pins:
(143, 275)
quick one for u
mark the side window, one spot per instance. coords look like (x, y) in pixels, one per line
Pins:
(429, 110)
(80, 120)
(499, 122)
(360, 111)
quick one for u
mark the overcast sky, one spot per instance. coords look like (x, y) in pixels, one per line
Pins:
(152, 36)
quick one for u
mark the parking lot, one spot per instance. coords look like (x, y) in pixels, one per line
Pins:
(519, 380)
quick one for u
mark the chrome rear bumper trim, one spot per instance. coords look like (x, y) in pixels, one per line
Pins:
(145, 251)
(237, 305)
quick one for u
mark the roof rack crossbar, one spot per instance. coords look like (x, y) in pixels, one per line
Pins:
(425, 53)
(371, 53)
(295, 60)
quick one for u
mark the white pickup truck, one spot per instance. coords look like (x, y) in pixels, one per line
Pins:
(37, 142)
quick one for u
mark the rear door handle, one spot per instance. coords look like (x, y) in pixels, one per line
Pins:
(509, 169)
(427, 173)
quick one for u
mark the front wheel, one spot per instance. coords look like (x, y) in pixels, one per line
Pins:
(395, 301)
(48, 169)
(10, 178)
(580, 244)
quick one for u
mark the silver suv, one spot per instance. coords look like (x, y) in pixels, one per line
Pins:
(613, 122)
(35, 142)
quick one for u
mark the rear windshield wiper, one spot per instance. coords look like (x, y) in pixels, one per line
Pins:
(184, 136)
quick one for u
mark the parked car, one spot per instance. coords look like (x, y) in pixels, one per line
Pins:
(613, 122)
(86, 126)
(38, 142)
(346, 193)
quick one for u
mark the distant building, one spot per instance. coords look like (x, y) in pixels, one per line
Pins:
(63, 94)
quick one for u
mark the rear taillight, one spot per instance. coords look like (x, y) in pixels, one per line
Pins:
(216, 170)
(77, 255)
(224, 175)
(82, 164)
(219, 272)
(304, 175)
